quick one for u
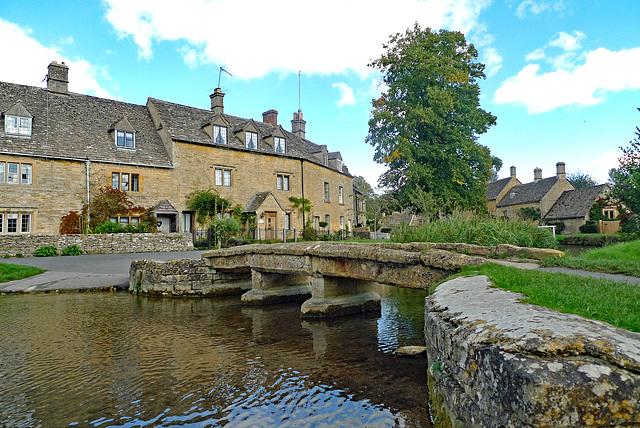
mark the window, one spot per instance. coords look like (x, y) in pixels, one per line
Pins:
(339, 165)
(125, 139)
(125, 181)
(287, 221)
(341, 222)
(219, 134)
(12, 173)
(282, 182)
(223, 177)
(14, 125)
(327, 219)
(25, 223)
(340, 195)
(1, 222)
(326, 192)
(610, 214)
(279, 144)
(124, 221)
(251, 140)
(12, 223)
(25, 173)
(2, 172)
(186, 222)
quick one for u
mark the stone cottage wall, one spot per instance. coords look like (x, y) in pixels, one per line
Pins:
(112, 243)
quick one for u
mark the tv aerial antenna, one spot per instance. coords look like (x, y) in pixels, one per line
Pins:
(220, 75)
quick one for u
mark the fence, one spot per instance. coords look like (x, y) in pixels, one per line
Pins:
(204, 238)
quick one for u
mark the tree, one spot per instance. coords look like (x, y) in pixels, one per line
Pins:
(581, 179)
(207, 204)
(363, 185)
(625, 181)
(425, 126)
(303, 205)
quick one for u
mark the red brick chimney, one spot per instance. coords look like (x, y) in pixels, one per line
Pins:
(270, 117)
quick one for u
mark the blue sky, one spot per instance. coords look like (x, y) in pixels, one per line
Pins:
(562, 75)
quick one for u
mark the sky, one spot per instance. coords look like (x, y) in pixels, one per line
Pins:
(562, 75)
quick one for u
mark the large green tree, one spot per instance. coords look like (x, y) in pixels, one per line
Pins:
(626, 179)
(363, 185)
(425, 126)
(581, 179)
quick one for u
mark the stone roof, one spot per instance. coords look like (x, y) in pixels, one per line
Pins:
(494, 189)
(186, 124)
(528, 193)
(75, 126)
(575, 203)
(258, 199)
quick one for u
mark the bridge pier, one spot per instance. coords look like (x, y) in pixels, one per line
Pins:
(334, 296)
(270, 287)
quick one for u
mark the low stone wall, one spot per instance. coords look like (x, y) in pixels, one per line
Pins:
(494, 361)
(186, 277)
(111, 243)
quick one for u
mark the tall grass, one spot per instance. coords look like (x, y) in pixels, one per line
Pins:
(479, 230)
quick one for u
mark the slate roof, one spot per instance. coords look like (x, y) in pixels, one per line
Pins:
(494, 189)
(528, 193)
(186, 124)
(75, 126)
(575, 203)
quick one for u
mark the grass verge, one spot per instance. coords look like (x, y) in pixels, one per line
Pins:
(9, 272)
(613, 302)
(621, 258)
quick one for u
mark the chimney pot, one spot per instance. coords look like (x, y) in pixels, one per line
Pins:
(560, 171)
(513, 172)
(270, 117)
(298, 125)
(537, 175)
(217, 101)
(58, 78)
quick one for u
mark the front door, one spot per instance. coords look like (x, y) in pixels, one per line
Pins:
(164, 223)
(270, 225)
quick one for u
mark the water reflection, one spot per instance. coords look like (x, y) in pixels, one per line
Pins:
(120, 360)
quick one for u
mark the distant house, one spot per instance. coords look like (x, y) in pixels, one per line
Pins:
(537, 196)
(498, 189)
(573, 206)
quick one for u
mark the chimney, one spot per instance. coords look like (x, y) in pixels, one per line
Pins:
(537, 174)
(270, 117)
(58, 78)
(217, 104)
(560, 171)
(513, 172)
(298, 125)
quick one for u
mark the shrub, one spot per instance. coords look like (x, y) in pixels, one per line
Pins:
(19, 255)
(72, 250)
(630, 224)
(71, 223)
(7, 256)
(46, 251)
(558, 224)
(589, 227)
(309, 233)
(109, 227)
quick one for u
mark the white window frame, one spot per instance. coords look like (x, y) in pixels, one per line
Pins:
(248, 139)
(17, 125)
(327, 194)
(219, 134)
(222, 177)
(124, 182)
(279, 145)
(3, 170)
(283, 182)
(13, 177)
(340, 195)
(26, 173)
(117, 183)
(287, 221)
(128, 139)
(24, 229)
(13, 217)
(341, 222)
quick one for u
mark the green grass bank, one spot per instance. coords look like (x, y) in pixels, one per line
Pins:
(623, 258)
(9, 272)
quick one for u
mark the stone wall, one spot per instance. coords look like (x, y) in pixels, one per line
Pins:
(495, 361)
(111, 243)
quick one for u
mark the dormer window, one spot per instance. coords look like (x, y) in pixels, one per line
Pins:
(251, 139)
(16, 125)
(126, 139)
(279, 144)
(219, 134)
(339, 165)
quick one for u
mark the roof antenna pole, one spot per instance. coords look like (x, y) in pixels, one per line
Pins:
(220, 75)
(299, 91)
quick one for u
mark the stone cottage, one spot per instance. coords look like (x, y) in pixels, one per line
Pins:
(57, 148)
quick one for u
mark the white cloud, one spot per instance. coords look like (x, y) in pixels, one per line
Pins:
(599, 168)
(32, 68)
(492, 61)
(536, 55)
(586, 84)
(283, 35)
(536, 7)
(346, 95)
(66, 40)
(568, 42)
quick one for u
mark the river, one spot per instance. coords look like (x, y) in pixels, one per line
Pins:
(119, 360)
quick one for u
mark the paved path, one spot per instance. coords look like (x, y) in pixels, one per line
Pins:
(87, 272)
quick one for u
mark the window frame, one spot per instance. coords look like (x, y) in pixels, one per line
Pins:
(117, 183)
(134, 183)
(14, 220)
(125, 140)
(13, 125)
(221, 132)
(1, 223)
(13, 177)
(124, 183)
(222, 177)
(283, 145)
(248, 134)
(341, 195)
(283, 182)
(3, 172)
(327, 192)
(23, 224)
(26, 168)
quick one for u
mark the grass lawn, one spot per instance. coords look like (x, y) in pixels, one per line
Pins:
(10, 272)
(621, 258)
(615, 303)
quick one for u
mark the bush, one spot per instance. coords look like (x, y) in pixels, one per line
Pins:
(630, 224)
(558, 224)
(589, 227)
(72, 250)
(46, 251)
(19, 255)
(7, 256)
(112, 227)
(309, 233)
